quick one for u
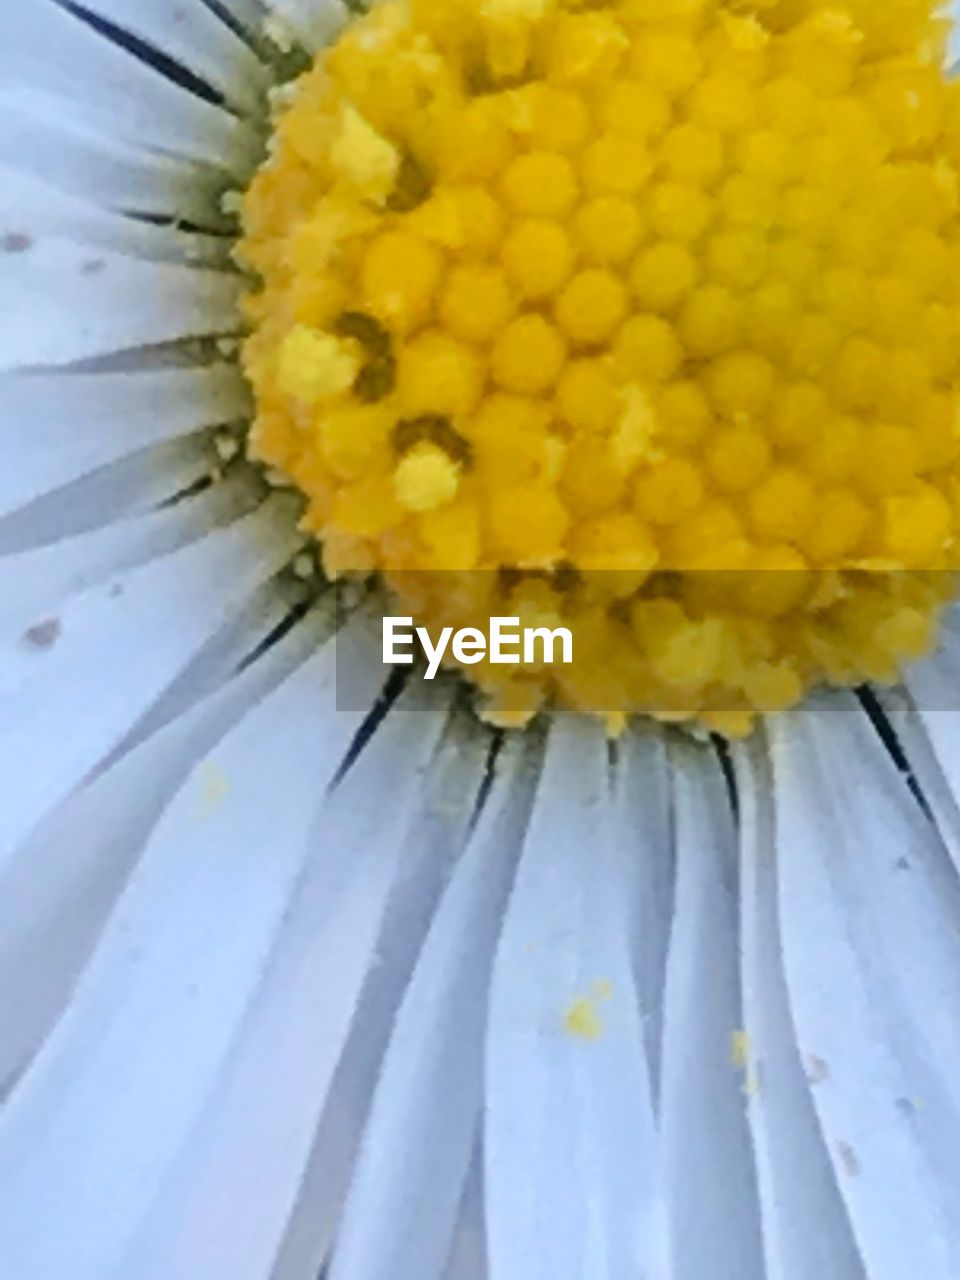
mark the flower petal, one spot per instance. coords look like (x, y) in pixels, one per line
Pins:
(569, 1140)
(312, 22)
(63, 302)
(59, 885)
(47, 48)
(868, 911)
(468, 1257)
(805, 1227)
(95, 1125)
(425, 866)
(27, 201)
(708, 1174)
(59, 430)
(248, 1156)
(142, 627)
(642, 824)
(192, 35)
(40, 139)
(420, 1137)
(33, 583)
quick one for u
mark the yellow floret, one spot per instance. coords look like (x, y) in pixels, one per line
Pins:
(646, 350)
(587, 396)
(528, 355)
(475, 302)
(508, 435)
(425, 478)
(585, 45)
(665, 58)
(362, 157)
(539, 184)
(400, 276)
(616, 165)
(918, 527)
(662, 275)
(591, 306)
(438, 375)
(635, 109)
(669, 491)
(528, 523)
(559, 119)
(538, 258)
(609, 228)
(451, 535)
(314, 366)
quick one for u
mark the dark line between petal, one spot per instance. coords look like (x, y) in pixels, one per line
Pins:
(888, 737)
(149, 54)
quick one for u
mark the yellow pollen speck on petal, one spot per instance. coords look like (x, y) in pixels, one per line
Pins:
(213, 787)
(639, 319)
(582, 1019)
(739, 1048)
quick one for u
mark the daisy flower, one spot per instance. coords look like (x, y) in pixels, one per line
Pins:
(637, 316)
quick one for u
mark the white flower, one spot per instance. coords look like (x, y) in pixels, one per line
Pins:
(300, 980)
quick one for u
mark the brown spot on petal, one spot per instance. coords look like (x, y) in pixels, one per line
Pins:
(43, 635)
(16, 242)
(849, 1159)
(93, 267)
(817, 1069)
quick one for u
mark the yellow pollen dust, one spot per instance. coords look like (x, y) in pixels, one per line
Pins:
(641, 319)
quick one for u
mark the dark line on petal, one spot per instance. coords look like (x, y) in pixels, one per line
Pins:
(893, 746)
(489, 776)
(283, 628)
(223, 231)
(149, 54)
(388, 695)
(722, 749)
(191, 491)
(230, 20)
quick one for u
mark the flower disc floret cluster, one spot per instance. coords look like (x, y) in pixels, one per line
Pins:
(640, 319)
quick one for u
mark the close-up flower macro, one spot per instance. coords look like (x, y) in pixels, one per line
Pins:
(479, 640)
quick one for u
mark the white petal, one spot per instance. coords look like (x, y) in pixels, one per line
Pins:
(926, 716)
(94, 1126)
(58, 887)
(59, 429)
(47, 48)
(194, 36)
(569, 1141)
(423, 870)
(225, 1205)
(135, 485)
(642, 824)
(868, 907)
(708, 1175)
(41, 139)
(141, 628)
(33, 583)
(267, 612)
(805, 1228)
(420, 1137)
(468, 1258)
(29, 202)
(246, 14)
(312, 22)
(63, 302)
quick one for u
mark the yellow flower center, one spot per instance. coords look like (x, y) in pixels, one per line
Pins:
(638, 319)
